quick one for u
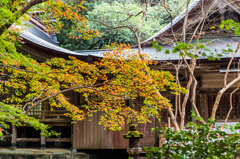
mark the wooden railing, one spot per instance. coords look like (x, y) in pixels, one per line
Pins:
(48, 114)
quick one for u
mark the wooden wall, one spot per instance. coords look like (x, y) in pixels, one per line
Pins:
(90, 135)
(148, 139)
(215, 80)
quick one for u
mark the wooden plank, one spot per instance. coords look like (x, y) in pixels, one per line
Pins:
(207, 107)
(234, 106)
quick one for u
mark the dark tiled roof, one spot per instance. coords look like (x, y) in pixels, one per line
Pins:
(34, 35)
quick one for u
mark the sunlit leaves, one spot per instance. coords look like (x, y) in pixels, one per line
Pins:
(134, 80)
(231, 25)
(156, 46)
(119, 77)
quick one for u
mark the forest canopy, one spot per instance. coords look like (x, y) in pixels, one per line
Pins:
(119, 13)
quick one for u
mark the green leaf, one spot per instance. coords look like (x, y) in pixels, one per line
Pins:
(167, 51)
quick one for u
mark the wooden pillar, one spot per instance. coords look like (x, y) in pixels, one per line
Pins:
(71, 137)
(203, 106)
(14, 138)
(73, 148)
(157, 125)
(43, 141)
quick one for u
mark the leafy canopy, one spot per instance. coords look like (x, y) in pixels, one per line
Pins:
(120, 76)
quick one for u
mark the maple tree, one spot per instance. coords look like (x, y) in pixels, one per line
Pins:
(120, 73)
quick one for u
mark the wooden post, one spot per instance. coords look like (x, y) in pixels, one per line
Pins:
(71, 137)
(43, 141)
(157, 125)
(203, 106)
(14, 138)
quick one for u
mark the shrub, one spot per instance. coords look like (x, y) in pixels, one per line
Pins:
(198, 141)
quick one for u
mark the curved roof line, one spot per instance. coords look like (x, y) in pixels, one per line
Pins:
(38, 41)
(175, 21)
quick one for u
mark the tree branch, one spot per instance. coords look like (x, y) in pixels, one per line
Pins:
(60, 92)
(229, 64)
(118, 27)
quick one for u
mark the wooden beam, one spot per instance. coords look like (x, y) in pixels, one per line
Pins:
(58, 124)
(6, 136)
(46, 140)
(52, 120)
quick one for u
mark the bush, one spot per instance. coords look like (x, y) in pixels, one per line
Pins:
(198, 141)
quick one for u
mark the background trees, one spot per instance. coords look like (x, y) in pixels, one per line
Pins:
(118, 13)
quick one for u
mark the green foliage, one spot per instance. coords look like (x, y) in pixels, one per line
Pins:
(156, 46)
(231, 25)
(10, 114)
(198, 141)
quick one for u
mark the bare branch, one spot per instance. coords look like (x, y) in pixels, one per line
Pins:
(171, 21)
(231, 106)
(196, 110)
(34, 99)
(185, 21)
(133, 15)
(118, 27)
(229, 64)
(216, 104)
